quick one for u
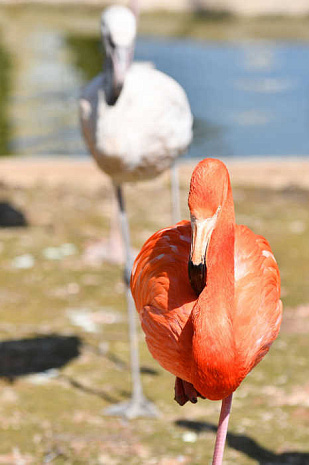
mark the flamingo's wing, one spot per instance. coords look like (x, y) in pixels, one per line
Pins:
(88, 104)
(257, 293)
(164, 297)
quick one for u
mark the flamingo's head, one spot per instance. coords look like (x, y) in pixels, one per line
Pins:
(208, 192)
(118, 28)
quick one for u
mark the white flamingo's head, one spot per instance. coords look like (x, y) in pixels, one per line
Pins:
(118, 28)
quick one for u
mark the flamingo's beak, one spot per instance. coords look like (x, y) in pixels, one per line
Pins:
(122, 59)
(201, 234)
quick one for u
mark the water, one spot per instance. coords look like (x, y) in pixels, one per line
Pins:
(249, 98)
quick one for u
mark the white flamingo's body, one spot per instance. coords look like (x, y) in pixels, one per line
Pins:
(144, 132)
(136, 121)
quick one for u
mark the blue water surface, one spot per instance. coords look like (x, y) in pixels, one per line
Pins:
(248, 98)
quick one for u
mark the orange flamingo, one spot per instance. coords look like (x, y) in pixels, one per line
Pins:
(208, 296)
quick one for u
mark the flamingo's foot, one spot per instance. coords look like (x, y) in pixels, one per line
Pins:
(185, 391)
(134, 408)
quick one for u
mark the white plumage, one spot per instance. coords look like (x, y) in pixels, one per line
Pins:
(142, 134)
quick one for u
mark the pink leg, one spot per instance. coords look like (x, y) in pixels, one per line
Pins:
(222, 430)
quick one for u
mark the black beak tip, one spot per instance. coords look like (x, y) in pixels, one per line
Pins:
(118, 89)
(112, 100)
(197, 276)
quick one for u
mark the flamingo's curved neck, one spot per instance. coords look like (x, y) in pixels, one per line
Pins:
(213, 343)
(220, 259)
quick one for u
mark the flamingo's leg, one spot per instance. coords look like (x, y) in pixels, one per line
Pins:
(222, 430)
(138, 405)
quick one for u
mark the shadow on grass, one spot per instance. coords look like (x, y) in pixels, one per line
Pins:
(10, 217)
(248, 446)
(22, 357)
(119, 363)
(88, 389)
(33, 355)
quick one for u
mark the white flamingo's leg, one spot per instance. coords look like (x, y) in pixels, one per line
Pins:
(134, 354)
(115, 242)
(138, 405)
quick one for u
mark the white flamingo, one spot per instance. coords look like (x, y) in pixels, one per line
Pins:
(136, 121)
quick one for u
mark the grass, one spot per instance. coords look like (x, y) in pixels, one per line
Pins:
(58, 418)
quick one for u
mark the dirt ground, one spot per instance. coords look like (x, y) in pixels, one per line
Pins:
(64, 354)
(273, 173)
